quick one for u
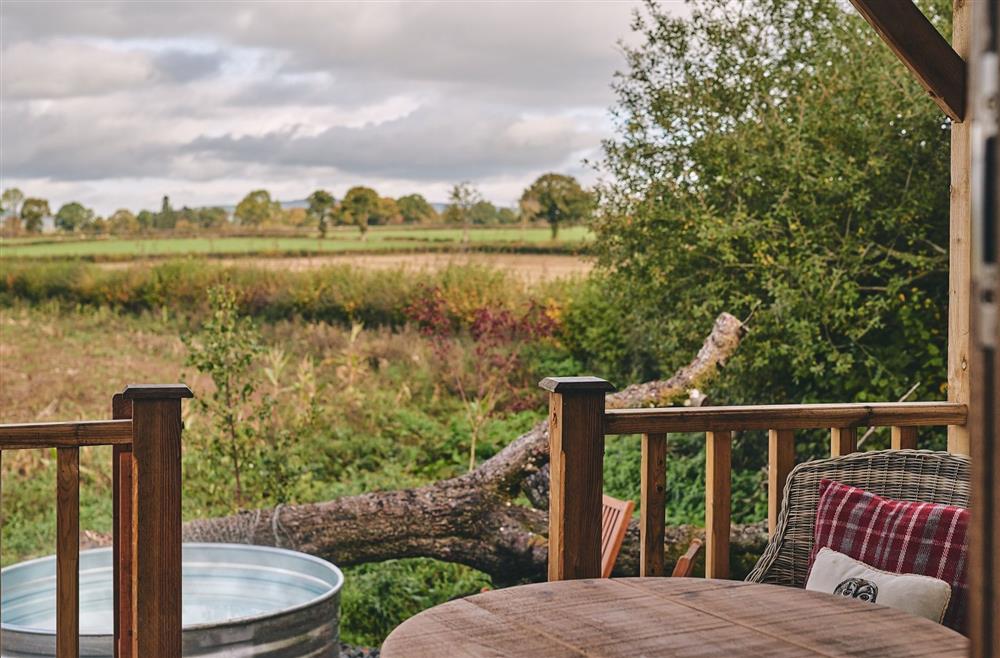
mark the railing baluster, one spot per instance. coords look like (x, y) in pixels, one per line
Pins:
(156, 520)
(780, 462)
(843, 441)
(654, 498)
(67, 552)
(904, 438)
(123, 557)
(718, 503)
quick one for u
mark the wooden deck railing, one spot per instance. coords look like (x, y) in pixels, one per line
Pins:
(579, 422)
(146, 435)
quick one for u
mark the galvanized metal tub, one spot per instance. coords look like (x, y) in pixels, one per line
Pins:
(238, 600)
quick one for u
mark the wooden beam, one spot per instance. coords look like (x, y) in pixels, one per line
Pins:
(782, 417)
(960, 249)
(927, 54)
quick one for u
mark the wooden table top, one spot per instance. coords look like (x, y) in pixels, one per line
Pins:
(666, 617)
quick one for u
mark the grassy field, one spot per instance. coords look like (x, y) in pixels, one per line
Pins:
(340, 241)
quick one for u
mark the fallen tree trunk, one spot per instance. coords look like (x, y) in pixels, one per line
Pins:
(470, 519)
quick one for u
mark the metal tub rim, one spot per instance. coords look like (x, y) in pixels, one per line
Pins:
(236, 621)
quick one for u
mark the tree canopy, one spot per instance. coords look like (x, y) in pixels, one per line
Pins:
(359, 206)
(256, 208)
(73, 216)
(416, 210)
(10, 201)
(779, 163)
(33, 211)
(556, 199)
(321, 205)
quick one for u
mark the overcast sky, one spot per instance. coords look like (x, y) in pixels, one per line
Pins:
(118, 103)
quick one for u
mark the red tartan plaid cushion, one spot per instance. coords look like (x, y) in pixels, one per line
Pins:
(893, 535)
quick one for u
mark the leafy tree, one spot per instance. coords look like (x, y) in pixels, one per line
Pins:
(256, 208)
(123, 222)
(507, 216)
(33, 211)
(167, 217)
(556, 199)
(73, 216)
(360, 204)
(777, 163)
(212, 217)
(483, 213)
(387, 212)
(226, 348)
(463, 198)
(10, 201)
(416, 210)
(146, 219)
(321, 205)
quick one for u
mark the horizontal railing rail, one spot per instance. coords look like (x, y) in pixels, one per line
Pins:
(145, 435)
(74, 434)
(783, 416)
(579, 422)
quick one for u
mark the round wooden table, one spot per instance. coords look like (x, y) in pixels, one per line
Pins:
(666, 617)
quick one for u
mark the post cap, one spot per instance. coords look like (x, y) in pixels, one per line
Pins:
(156, 391)
(576, 385)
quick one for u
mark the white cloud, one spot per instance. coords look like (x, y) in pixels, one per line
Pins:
(60, 69)
(119, 103)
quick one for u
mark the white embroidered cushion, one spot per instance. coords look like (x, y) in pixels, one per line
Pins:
(842, 575)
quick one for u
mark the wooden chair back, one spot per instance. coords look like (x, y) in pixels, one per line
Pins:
(685, 563)
(615, 516)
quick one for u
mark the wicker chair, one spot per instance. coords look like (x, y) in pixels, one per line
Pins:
(912, 475)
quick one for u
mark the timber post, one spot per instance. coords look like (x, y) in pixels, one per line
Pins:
(576, 458)
(156, 519)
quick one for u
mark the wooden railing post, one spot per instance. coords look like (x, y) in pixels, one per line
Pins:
(718, 502)
(903, 438)
(156, 520)
(67, 552)
(780, 462)
(122, 556)
(843, 441)
(653, 494)
(576, 461)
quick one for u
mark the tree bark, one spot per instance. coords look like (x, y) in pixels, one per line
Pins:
(470, 519)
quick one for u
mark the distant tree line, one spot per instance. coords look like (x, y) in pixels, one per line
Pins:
(556, 199)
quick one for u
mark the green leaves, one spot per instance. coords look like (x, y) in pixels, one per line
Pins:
(772, 161)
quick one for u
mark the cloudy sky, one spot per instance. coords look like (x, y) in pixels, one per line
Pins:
(118, 103)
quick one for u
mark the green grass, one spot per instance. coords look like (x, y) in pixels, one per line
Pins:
(340, 241)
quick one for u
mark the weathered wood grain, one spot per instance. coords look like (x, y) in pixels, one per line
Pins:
(782, 417)
(74, 434)
(843, 441)
(67, 552)
(665, 617)
(780, 462)
(923, 50)
(903, 438)
(576, 452)
(653, 499)
(718, 502)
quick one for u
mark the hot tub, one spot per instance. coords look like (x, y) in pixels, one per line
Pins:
(237, 599)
